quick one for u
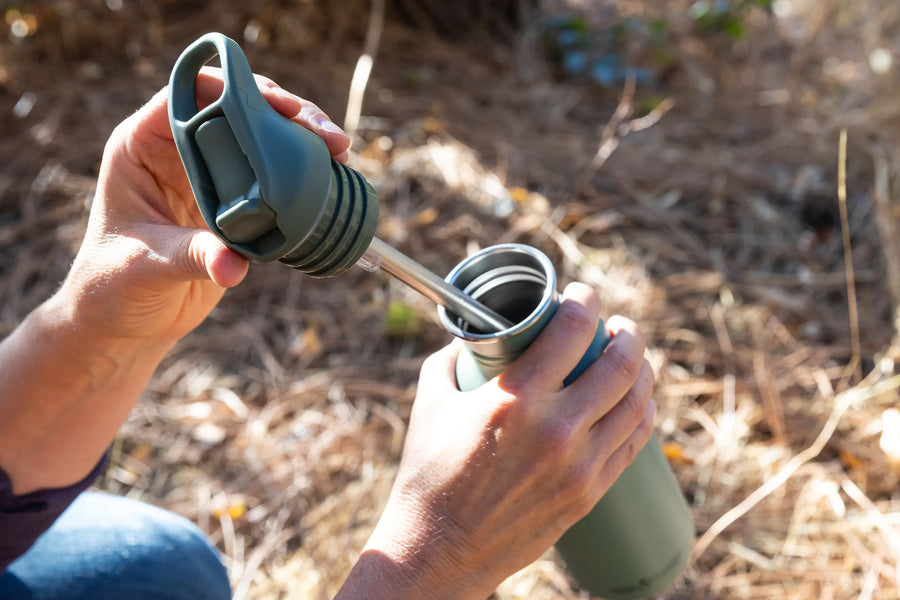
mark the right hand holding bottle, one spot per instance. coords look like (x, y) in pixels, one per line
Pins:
(493, 477)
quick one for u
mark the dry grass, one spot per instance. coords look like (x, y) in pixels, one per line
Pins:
(277, 425)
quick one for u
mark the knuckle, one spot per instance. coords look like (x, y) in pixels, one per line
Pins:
(644, 431)
(643, 386)
(577, 317)
(310, 110)
(556, 436)
(580, 485)
(587, 503)
(624, 364)
(188, 259)
(634, 443)
(629, 450)
(635, 404)
(503, 406)
(263, 81)
(527, 378)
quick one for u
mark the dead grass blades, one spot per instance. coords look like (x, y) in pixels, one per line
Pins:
(702, 205)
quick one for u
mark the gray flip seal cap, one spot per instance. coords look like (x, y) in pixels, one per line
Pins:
(265, 185)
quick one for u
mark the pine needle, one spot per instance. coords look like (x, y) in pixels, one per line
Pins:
(854, 367)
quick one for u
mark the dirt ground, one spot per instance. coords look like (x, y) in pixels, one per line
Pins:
(702, 202)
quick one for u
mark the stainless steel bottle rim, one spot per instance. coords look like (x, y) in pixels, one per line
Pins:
(495, 274)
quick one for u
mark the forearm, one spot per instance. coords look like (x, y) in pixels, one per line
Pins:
(65, 393)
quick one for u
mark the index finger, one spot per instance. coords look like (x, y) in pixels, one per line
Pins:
(153, 118)
(303, 112)
(615, 371)
(559, 347)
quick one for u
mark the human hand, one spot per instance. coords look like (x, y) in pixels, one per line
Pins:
(148, 267)
(148, 271)
(491, 478)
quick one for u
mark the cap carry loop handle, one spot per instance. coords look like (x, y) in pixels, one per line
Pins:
(247, 164)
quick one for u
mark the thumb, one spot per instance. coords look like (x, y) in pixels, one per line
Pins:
(206, 257)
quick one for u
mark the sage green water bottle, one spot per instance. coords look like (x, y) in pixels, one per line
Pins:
(636, 540)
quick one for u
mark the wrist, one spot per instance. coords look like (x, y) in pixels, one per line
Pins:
(399, 572)
(87, 330)
(413, 554)
(67, 390)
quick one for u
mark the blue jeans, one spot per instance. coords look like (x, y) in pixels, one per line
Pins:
(106, 547)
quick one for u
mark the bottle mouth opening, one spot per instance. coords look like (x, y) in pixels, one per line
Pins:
(515, 280)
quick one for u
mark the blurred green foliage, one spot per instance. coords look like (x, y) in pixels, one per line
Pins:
(725, 16)
(607, 55)
(639, 48)
(401, 319)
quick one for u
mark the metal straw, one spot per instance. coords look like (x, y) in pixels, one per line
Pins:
(397, 264)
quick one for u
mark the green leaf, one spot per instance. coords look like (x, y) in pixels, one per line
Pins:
(401, 319)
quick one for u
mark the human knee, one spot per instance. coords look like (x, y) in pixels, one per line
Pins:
(166, 551)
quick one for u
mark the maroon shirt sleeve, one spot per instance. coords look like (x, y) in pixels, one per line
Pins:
(24, 518)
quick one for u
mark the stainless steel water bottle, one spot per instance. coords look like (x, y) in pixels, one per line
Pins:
(636, 540)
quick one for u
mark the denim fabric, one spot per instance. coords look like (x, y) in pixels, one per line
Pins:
(24, 518)
(104, 547)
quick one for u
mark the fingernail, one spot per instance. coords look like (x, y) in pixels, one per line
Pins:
(330, 126)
